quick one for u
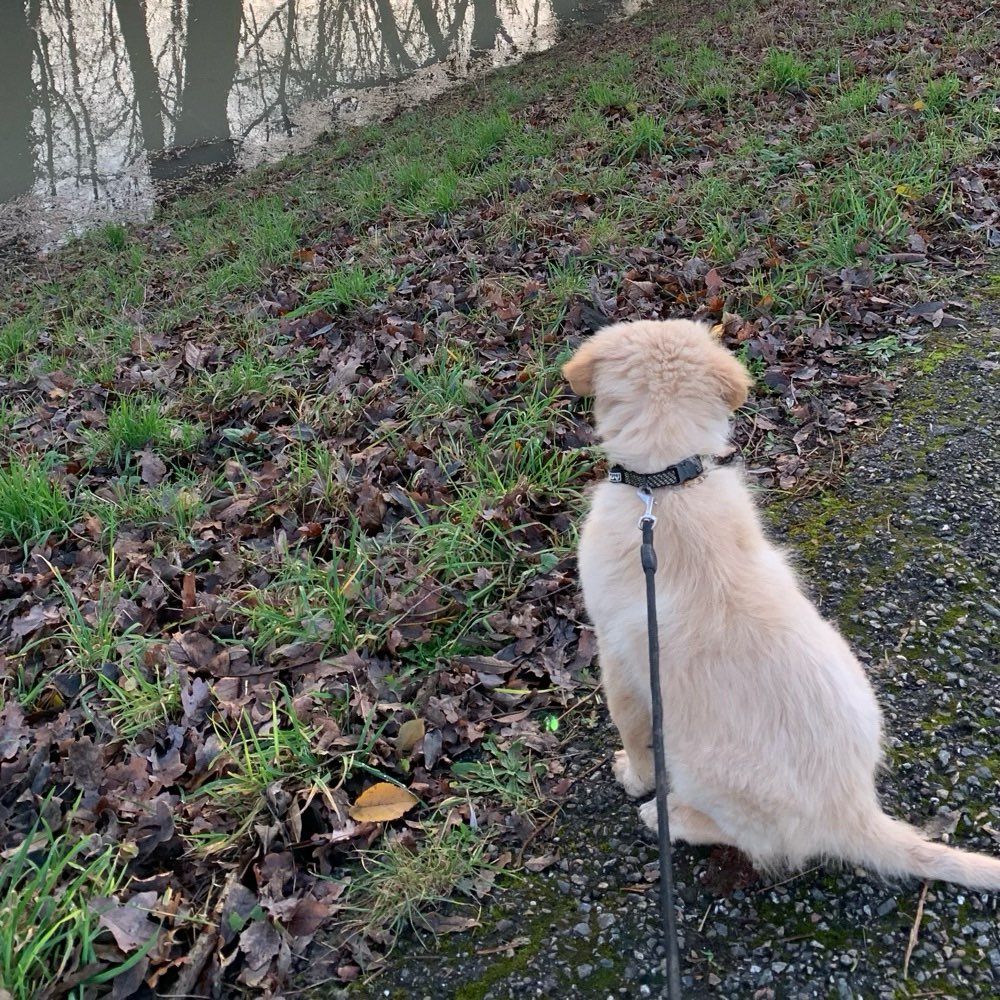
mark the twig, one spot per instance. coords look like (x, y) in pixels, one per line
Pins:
(915, 930)
(196, 959)
(203, 948)
(791, 878)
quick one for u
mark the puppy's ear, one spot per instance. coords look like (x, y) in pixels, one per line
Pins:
(734, 380)
(579, 370)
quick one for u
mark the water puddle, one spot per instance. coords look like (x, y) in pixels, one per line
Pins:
(107, 104)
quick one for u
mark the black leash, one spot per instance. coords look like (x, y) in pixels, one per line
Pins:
(668, 916)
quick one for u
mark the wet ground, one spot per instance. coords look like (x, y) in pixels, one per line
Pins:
(109, 103)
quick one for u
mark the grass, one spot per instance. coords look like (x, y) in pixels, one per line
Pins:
(350, 369)
(445, 384)
(134, 422)
(313, 480)
(251, 374)
(507, 775)
(17, 339)
(33, 505)
(309, 600)
(402, 882)
(48, 925)
(941, 93)
(173, 507)
(141, 699)
(345, 288)
(253, 766)
(867, 24)
(783, 70)
(92, 635)
(643, 137)
(607, 95)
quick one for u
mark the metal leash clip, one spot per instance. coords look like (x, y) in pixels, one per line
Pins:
(649, 500)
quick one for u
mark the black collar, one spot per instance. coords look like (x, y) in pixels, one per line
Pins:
(672, 475)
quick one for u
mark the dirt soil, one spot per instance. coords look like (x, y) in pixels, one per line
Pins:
(903, 554)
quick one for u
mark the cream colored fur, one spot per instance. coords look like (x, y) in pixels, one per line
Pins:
(772, 730)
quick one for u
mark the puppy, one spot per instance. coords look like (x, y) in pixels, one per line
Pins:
(771, 729)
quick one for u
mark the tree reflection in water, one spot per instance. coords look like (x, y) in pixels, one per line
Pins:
(104, 97)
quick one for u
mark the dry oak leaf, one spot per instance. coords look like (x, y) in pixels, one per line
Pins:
(382, 802)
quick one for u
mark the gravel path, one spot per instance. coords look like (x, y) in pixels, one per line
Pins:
(905, 554)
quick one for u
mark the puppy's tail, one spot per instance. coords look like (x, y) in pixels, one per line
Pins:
(895, 849)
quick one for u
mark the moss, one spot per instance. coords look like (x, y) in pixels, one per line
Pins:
(931, 360)
(536, 925)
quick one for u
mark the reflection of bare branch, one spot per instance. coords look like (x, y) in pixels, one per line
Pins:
(432, 28)
(259, 76)
(390, 34)
(50, 94)
(132, 21)
(285, 63)
(74, 66)
(260, 32)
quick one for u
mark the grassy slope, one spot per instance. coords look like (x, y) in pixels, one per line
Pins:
(279, 466)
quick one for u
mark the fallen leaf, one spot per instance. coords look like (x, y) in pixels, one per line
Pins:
(941, 826)
(410, 733)
(307, 917)
(540, 863)
(129, 924)
(85, 763)
(259, 943)
(152, 468)
(381, 803)
(189, 600)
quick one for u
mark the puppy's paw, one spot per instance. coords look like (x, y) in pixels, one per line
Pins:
(648, 815)
(633, 782)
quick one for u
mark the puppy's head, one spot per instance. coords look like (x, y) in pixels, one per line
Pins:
(673, 376)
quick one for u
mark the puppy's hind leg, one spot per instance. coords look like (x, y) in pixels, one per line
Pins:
(686, 823)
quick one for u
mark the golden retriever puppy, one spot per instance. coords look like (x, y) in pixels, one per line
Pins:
(772, 731)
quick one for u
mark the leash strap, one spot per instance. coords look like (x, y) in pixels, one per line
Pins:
(668, 916)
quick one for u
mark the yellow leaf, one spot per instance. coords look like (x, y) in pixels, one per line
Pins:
(382, 802)
(410, 733)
